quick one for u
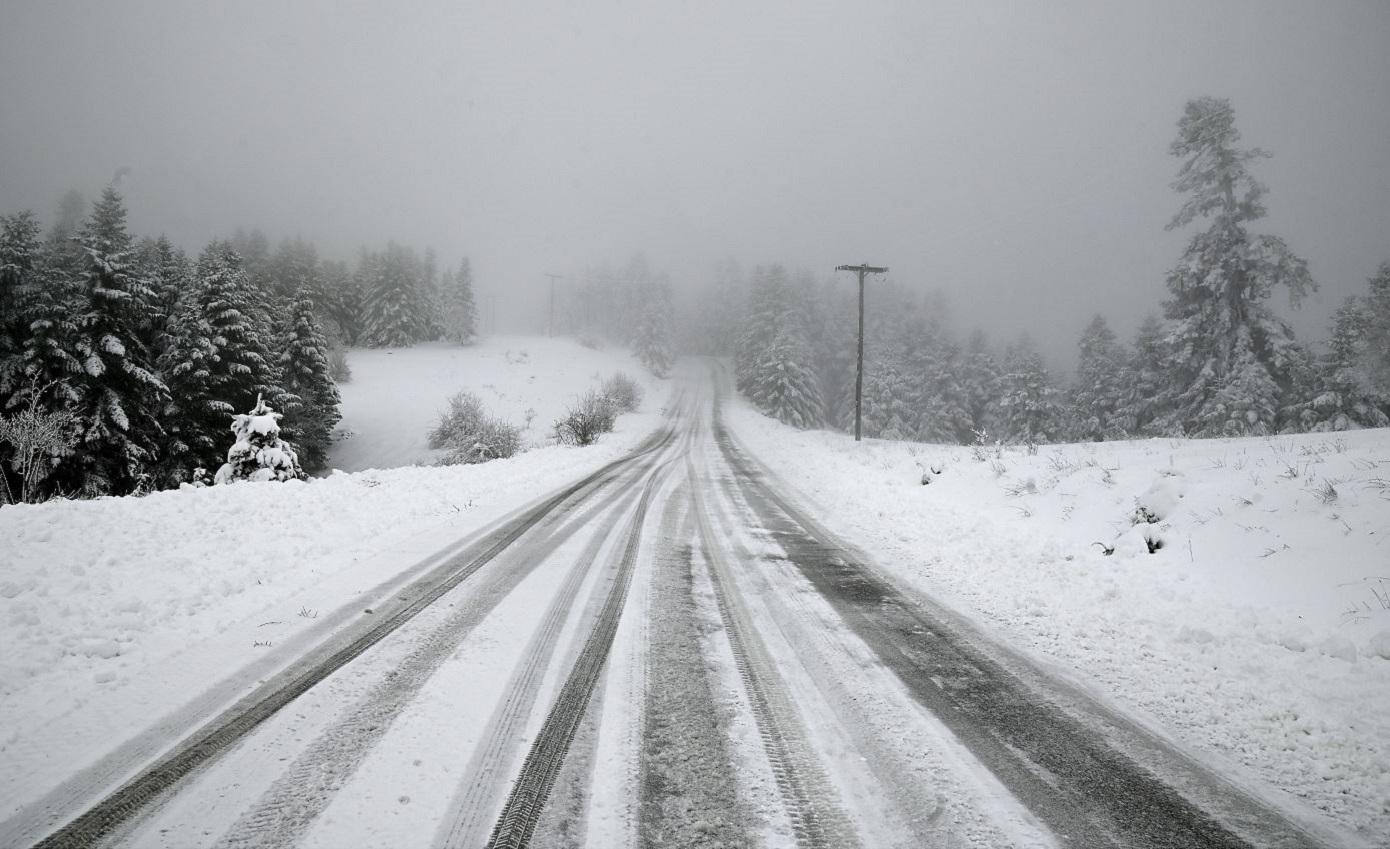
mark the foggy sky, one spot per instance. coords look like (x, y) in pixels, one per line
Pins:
(1012, 155)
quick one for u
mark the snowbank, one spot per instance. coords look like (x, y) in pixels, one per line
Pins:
(1256, 632)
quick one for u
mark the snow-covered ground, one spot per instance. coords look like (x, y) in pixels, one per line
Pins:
(117, 610)
(396, 396)
(1257, 635)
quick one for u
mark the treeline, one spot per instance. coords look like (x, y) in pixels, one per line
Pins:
(122, 360)
(1221, 362)
(630, 306)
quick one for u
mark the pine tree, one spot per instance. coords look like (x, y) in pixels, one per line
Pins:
(1099, 388)
(787, 388)
(460, 311)
(167, 272)
(1142, 380)
(981, 384)
(394, 308)
(652, 345)
(119, 395)
(311, 397)
(1230, 358)
(219, 361)
(1028, 407)
(259, 454)
(1375, 360)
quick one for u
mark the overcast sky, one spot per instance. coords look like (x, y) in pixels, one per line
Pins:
(1013, 155)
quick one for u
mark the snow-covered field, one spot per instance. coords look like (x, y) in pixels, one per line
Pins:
(1257, 635)
(115, 611)
(395, 396)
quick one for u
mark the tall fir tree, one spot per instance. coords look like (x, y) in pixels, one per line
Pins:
(981, 384)
(652, 344)
(394, 308)
(119, 394)
(1230, 359)
(1143, 379)
(1100, 385)
(787, 389)
(460, 309)
(1028, 404)
(311, 397)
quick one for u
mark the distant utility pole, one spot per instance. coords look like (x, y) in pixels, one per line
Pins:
(553, 278)
(861, 270)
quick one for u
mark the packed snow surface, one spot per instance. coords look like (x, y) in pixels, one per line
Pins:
(1255, 633)
(100, 599)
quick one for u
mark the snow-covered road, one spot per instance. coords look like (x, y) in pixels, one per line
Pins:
(669, 651)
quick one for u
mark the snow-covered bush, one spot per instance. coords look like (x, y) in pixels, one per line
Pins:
(471, 435)
(338, 363)
(624, 392)
(464, 416)
(582, 424)
(259, 454)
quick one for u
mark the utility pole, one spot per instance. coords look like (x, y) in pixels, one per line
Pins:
(553, 278)
(861, 270)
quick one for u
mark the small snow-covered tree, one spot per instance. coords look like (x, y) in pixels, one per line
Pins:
(1229, 357)
(259, 454)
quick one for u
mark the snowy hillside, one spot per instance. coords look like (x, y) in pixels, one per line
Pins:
(115, 611)
(395, 395)
(1257, 633)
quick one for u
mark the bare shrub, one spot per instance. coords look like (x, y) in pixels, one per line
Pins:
(624, 392)
(35, 436)
(590, 417)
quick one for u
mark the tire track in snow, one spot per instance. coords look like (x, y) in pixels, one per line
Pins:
(101, 819)
(811, 804)
(488, 769)
(285, 812)
(1074, 780)
(528, 795)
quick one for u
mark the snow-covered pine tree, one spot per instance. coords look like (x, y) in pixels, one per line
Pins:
(786, 388)
(394, 309)
(1028, 407)
(169, 275)
(259, 454)
(119, 395)
(1345, 399)
(1230, 357)
(20, 254)
(1100, 385)
(342, 301)
(219, 361)
(767, 299)
(652, 344)
(311, 397)
(460, 309)
(1142, 380)
(1376, 357)
(981, 384)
